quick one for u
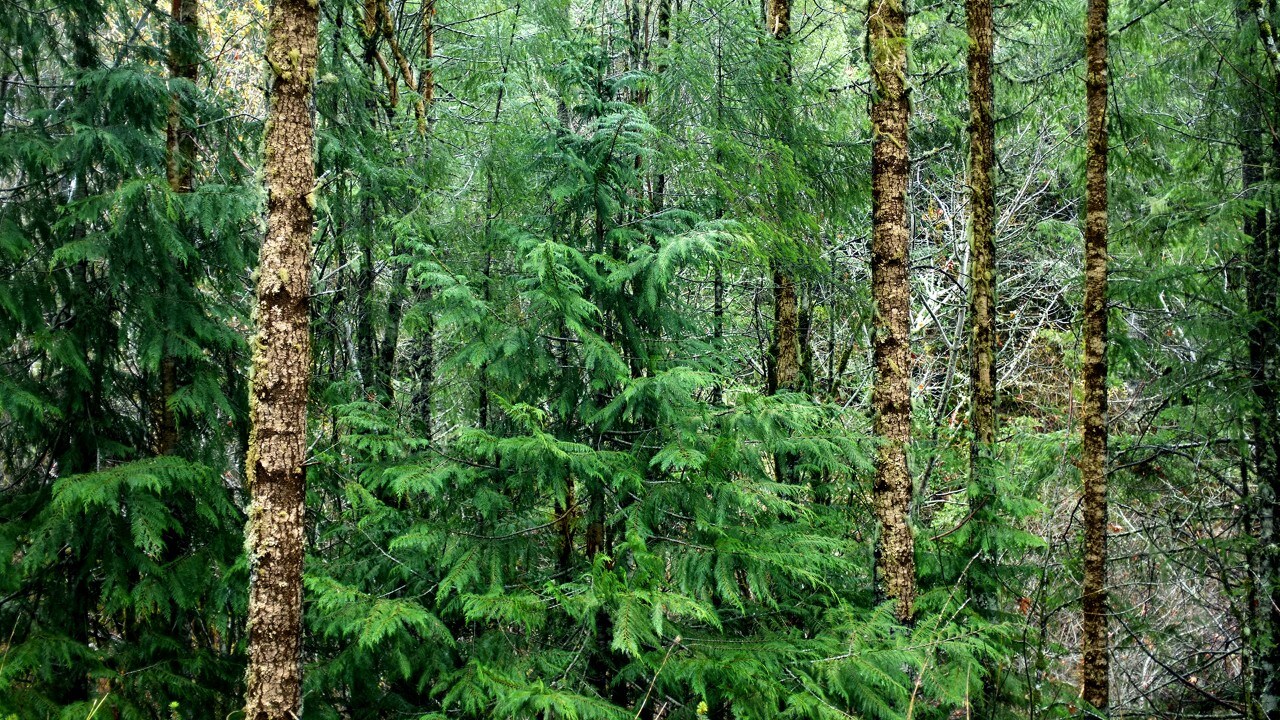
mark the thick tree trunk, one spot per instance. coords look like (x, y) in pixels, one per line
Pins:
(281, 370)
(1093, 417)
(891, 292)
(180, 160)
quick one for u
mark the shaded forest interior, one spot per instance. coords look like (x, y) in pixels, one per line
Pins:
(639, 359)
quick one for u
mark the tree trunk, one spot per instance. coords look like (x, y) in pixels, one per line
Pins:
(425, 369)
(981, 237)
(982, 289)
(891, 293)
(1262, 274)
(1262, 289)
(786, 332)
(180, 157)
(1261, 692)
(785, 373)
(281, 370)
(1093, 415)
(184, 59)
(982, 579)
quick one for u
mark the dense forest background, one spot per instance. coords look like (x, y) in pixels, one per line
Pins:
(591, 430)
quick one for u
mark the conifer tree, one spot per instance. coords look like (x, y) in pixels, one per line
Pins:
(1262, 298)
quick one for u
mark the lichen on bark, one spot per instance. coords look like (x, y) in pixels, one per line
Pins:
(281, 372)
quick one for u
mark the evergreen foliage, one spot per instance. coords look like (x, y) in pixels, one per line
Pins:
(544, 475)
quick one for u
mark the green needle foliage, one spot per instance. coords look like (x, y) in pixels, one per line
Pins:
(546, 476)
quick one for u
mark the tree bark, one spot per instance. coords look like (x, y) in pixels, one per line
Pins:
(786, 315)
(281, 371)
(180, 158)
(1093, 416)
(981, 236)
(891, 293)
(982, 290)
(982, 579)
(184, 58)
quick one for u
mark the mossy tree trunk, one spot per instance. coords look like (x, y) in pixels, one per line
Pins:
(1093, 417)
(891, 293)
(982, 271)
(982, 299)
(785, 360)
(281, 370)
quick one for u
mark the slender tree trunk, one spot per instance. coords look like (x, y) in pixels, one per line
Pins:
(425, 345)
(981, 239)
(425, 370)
(804, 339)
(1093, 415)
(370, 372)
(180, 158)
(891, 293)
(1261, 694)
(786, 332)
(1262, 288)
(281, 370)
(184, 57)
(785, 373)
(659, 195)
(982, 288)
(717, 286)
(1263, 273)
(982, 315)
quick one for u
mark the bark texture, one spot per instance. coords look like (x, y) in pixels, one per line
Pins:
(785, 369)
(891, 293)
(786, 331)
(184, 63)
(281, 370)
(982, 270)
(1093, 417)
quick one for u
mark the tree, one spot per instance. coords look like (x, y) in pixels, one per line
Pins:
(1259, 162)
(553, 468)
(891, 293)
(1095, 674)
(277, 458)
(785, 355)
(180, 159)
(982, 266)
